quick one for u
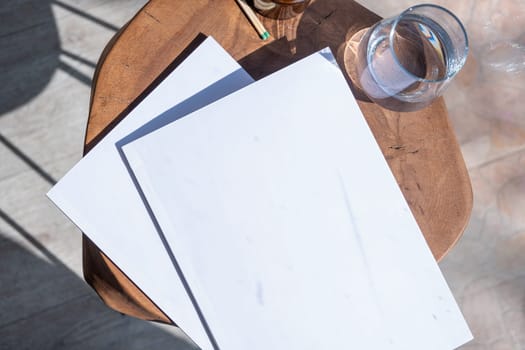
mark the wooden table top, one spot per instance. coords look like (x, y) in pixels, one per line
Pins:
(420, 147)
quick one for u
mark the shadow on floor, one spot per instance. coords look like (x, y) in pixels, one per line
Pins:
(31, 51)
(46, 306)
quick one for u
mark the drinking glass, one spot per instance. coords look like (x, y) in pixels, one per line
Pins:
(405, 62)
(280, 9)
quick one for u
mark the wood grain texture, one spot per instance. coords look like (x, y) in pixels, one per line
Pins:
(420, 147)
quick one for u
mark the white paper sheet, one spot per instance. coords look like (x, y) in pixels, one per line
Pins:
(99, 196)
(288, 225)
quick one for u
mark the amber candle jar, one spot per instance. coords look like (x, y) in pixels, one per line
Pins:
(280, 9)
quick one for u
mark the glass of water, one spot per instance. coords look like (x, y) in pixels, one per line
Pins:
(405, 62)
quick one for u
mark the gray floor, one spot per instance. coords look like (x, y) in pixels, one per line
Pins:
(48, 50)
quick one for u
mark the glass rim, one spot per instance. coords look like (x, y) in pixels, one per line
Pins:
(392, 51)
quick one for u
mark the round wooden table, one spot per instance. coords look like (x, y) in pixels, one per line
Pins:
(420, 147)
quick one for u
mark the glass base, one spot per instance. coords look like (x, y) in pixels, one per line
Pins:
(350, 63)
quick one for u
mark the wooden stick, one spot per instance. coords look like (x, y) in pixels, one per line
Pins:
(252, 17)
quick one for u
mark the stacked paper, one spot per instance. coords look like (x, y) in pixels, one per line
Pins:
(265, 218)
